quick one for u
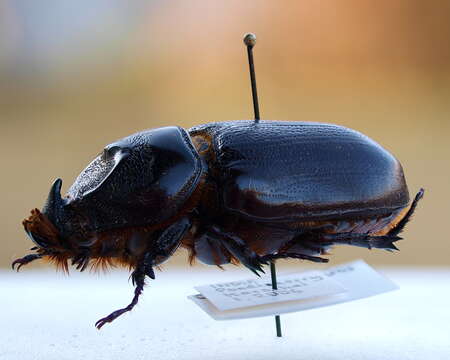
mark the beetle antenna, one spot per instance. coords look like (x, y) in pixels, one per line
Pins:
(250, 41)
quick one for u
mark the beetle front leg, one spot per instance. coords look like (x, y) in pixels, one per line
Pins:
(164, 246)
(138, 278)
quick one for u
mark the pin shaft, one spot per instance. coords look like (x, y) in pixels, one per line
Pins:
(251, 39)
(273, 275)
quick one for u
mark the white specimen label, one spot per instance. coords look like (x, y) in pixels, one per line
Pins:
(238, 294)
(296, 292)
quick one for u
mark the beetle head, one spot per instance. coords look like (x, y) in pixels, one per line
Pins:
(43, 228)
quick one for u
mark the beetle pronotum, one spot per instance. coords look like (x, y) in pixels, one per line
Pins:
(232, 192)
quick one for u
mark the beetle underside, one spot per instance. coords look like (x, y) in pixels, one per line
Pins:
(301, 240)
(314, 239)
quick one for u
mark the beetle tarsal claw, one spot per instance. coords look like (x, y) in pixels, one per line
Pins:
(25, 260)
(110, 318)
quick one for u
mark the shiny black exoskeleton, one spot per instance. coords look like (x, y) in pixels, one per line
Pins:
(238, 191)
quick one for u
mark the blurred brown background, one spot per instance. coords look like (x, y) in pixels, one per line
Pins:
(76, 75)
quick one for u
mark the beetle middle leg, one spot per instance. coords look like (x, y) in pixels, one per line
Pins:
(210, 251)
(239, 249)
(297, 248)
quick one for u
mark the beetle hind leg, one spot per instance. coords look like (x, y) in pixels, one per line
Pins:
(271, 257)
(385, 242)
(398, 228)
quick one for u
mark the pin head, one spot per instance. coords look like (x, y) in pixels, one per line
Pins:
(250, 39)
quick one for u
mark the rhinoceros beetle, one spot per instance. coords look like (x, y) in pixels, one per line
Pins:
(230, 192)
(242, 192)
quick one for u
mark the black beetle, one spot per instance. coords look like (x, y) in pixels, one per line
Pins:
(230, 192)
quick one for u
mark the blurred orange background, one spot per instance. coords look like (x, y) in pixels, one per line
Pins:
(77, 75)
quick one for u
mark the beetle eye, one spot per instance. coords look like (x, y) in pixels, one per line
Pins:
(39, 241)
